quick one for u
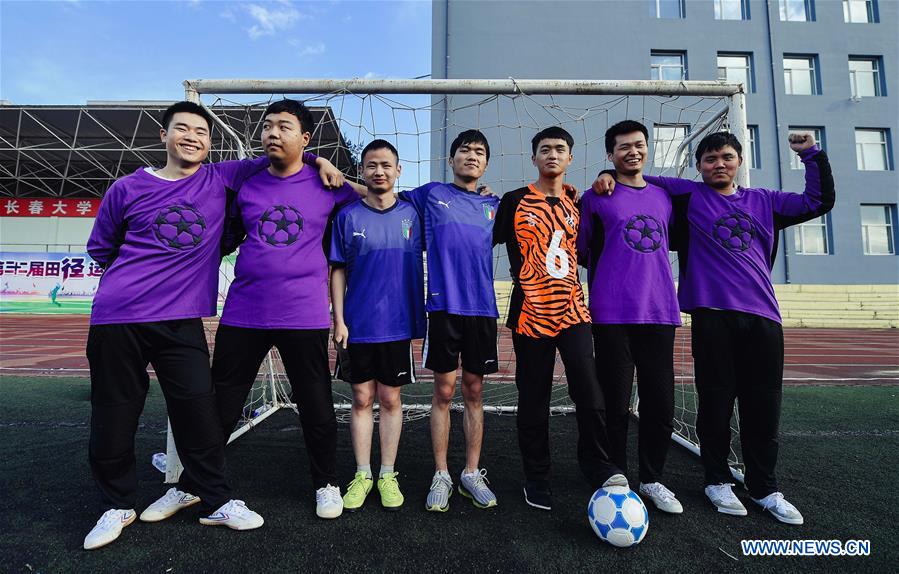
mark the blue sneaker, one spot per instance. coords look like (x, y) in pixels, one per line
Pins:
(474, 486)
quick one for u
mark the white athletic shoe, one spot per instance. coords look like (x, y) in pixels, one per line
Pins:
(108, 528)
(328, 502)
(170, 503)
(235, 515)
(724, 499)
(776, 504)
(616, 480)
(663, 498)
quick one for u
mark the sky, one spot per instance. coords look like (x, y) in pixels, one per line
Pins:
(68, 52)
(75, 51)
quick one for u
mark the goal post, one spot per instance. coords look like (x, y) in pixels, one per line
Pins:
(421, 117)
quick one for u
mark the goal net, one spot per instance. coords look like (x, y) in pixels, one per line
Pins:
(421, 118)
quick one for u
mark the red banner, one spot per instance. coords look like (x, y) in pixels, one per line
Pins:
(49, 207)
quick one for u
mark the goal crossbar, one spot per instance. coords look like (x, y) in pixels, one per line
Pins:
(468, 86)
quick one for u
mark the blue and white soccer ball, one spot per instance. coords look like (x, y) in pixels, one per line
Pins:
(618, 516)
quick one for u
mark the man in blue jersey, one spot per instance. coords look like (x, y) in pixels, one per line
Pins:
(462, 310)
(377, 285)
(461, 305)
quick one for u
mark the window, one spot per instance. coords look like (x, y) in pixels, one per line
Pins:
(668, 8)
(859, 11)
(736, 68)
(811, 237)
(800, 77)
(668, 66)
(731, 10)
(666, 139)
(877, 229)
(751, 153)
(795, 162)
(864, 77)
(871, 152)
(796, 10)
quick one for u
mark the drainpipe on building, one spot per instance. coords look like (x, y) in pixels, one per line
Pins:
(783, 233)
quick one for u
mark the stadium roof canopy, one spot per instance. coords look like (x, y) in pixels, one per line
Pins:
(78, 151)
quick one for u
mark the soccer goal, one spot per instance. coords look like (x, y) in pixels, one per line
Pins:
(421, 118)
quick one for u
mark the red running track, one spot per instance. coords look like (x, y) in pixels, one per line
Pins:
(54, 345)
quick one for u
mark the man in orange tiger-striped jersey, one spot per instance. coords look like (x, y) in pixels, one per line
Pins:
(538, 224)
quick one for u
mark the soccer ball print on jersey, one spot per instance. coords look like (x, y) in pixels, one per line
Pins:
(643, 233)
(734, 231)
(179, 226)
(280, 225)
(618, 516)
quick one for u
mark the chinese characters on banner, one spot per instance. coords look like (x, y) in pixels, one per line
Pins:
(48, 207)
(37, 274)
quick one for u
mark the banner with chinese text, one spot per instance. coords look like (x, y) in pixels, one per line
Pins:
(47, 282)
(49, 207)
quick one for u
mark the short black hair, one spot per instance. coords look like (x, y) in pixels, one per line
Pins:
(186, 107)
(299, 109)
(379, 144)
(621, 128)
(469, 137)
(716, 141)
(551, 133)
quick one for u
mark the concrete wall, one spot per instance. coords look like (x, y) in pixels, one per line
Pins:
(612, 39)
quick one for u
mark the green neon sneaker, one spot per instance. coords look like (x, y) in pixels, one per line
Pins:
(389, 487)
(356, 492)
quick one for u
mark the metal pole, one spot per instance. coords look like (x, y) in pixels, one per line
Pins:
(465, 86)
(173, 465)
(737, 115)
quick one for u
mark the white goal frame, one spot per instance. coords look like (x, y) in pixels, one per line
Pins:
(734, 94)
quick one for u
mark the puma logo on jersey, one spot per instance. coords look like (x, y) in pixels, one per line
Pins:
(360, 234)
(445, 204)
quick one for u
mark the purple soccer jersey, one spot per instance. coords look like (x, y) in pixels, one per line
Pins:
(382, 254)
(161, 242)
(623, 239)
(731, 239)
(281, 274)
(459, 240)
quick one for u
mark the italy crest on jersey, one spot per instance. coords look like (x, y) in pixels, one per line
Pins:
(407, 229)
(489, 212)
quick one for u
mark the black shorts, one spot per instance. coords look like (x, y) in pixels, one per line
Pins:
(388, 363)
(473, 337)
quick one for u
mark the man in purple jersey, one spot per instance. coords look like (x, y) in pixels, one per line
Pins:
(279, 296)
(458, 224)
(726, 237)
(158, 235)
(377, 290)
(623, 242)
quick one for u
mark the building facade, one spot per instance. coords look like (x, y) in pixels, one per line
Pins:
(824, 65)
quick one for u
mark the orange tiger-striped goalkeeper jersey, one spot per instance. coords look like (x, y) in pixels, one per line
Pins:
(539, 232)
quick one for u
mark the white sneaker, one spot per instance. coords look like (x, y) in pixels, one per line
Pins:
(328, 502)
(170, 503)
(616, 480)
(776, 504)
(724, 499)
(663, 498)
(235, 515)
(108, 528)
